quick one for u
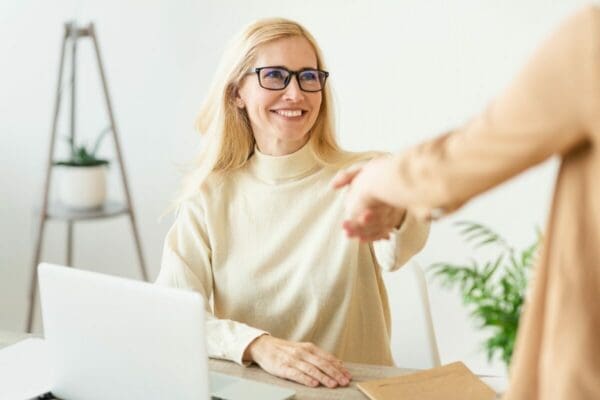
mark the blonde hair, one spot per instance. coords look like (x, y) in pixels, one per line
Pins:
(229, 141)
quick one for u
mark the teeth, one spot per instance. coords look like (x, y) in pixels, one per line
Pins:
(289, 113)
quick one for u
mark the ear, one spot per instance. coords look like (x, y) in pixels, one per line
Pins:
(239, 102)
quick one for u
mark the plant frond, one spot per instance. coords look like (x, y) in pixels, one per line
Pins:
(493, 291)
(480, 235)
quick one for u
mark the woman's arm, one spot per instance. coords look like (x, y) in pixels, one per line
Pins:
(186, 264)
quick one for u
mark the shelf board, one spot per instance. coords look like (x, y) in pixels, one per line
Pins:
(108, 210)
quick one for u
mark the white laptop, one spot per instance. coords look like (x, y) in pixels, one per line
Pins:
(115, 338)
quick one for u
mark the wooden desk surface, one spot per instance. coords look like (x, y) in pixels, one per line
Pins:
(360, 372)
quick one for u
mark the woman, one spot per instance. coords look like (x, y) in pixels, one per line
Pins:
(256, 230)
(552, 108)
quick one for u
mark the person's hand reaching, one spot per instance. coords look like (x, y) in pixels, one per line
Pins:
(367, 218)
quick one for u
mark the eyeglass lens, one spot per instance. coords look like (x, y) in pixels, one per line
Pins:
(310, 80)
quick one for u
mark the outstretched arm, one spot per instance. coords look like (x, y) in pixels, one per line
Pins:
(549, 109)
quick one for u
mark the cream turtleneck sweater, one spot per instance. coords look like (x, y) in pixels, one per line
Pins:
(265, 248)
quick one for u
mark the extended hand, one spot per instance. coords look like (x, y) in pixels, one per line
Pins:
(375, 223)
(304, 363)
(368, 219)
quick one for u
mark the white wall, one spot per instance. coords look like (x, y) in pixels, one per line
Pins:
(402, 71)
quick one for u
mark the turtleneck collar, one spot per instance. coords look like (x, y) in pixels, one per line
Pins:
(275, 169)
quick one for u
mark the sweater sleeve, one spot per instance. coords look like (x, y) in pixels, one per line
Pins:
(549, 109)
(186, 264)
(403, 244)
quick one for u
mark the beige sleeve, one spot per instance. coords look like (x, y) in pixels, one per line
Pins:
(186, 263)
(549, 109)
(403, 243)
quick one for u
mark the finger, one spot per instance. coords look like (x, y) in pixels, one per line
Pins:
(373, 230)
(366, 217)
(345, 177)
(330, 358)
(349, 233)
(366, 233)
(294, 374)
(315, 373)
(361, 233)
(381, 217)
(379, 222)
(350, 228)
(371, 237)
(334, 370)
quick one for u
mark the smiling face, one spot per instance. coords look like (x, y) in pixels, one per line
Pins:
(281, 119)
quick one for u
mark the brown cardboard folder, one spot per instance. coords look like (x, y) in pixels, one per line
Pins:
(449, 382)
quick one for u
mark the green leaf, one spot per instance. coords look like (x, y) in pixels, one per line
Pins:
(101, 136)
(80, 155)
(493, 291)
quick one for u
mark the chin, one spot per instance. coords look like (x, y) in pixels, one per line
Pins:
(294, 138)
(292, 134)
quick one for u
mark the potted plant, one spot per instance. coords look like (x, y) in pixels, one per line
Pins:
(492, 290)
(82, 180)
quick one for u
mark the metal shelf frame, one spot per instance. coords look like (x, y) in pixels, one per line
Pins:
(72, 34)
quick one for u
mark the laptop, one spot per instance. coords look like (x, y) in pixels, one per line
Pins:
(116, 338)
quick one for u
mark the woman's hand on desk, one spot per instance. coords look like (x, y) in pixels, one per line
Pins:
(304, 363)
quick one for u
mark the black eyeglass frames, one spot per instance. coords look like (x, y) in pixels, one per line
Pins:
(278, 78)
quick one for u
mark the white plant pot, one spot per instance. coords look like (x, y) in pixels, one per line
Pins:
(82, 187)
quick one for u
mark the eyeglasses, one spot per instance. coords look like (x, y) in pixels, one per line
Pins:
(278, 78)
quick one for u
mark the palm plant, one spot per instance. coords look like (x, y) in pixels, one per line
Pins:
(493, 290)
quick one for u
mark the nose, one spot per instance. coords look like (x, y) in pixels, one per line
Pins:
(293, 91)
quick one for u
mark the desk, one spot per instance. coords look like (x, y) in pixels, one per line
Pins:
(360, 372)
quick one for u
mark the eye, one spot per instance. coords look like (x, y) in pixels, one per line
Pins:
(309, 75)
(274, 73)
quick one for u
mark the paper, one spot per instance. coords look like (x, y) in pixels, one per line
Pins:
(24, 370)
(450, 382)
